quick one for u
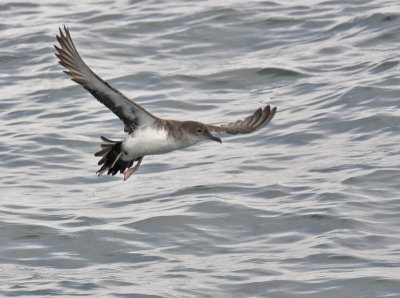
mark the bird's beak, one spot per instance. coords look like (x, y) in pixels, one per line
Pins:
(215, 138)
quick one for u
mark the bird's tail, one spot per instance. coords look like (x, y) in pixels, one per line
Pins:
(111, 152)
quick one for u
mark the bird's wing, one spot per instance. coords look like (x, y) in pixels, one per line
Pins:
(131, 113)
(258, 119)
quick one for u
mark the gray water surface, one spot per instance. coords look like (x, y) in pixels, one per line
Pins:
(307, 207)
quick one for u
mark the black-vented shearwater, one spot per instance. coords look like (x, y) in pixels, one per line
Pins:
(147, 134)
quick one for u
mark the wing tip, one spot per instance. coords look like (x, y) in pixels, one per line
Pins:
(273, 111)
(261, 117)
(66, 29)
(270, 113)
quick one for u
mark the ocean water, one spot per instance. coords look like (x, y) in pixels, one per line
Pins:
(309, 206)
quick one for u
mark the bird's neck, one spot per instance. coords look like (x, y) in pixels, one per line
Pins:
(176, 132)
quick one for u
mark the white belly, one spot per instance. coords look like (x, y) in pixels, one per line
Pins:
(148, 141)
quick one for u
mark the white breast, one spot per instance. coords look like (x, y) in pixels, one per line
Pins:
(148, 141)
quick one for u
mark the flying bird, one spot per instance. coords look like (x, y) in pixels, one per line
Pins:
(147, 133)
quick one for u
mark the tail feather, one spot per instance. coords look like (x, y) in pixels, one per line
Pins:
(111, 153)
(108, 141)
(103, 151)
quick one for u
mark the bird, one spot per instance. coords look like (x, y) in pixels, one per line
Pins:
(147, 134)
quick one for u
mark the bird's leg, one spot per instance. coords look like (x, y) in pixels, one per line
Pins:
(130, 171)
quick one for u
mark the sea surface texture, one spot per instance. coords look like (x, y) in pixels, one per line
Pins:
(309, 206)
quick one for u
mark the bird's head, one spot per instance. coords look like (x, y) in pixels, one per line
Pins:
(199, 132)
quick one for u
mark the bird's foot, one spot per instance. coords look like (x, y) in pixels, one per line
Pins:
(130, 171)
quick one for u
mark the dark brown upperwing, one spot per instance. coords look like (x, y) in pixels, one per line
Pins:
(131, 113)
(259, 119)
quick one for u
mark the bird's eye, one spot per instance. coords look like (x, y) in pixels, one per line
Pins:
(199, 131)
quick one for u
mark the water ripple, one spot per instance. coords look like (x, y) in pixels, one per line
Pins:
(306, 207)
